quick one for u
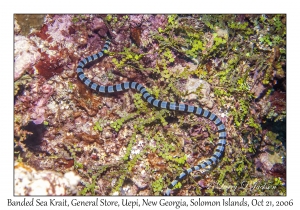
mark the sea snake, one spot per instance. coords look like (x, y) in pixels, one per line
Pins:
(160, 104)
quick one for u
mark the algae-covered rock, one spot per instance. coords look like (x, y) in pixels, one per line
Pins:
(196, 88)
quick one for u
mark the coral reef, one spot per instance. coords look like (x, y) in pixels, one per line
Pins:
(233, 65)
(26, 55)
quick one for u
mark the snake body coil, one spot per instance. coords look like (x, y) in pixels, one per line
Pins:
(160, 104)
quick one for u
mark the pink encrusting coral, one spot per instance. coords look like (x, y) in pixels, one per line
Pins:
(26, 55)
(58, 30)
(36, 101)
(136, 20)
(99, 26)
(40, 106)
(57, 44)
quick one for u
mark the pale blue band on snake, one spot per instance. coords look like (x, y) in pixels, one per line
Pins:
(163, 105)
